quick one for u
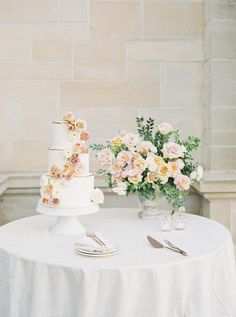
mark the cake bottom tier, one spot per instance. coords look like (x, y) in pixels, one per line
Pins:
(76, 192)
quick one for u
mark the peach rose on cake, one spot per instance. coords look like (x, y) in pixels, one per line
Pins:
(97, 196)
(81, 125)
(74, 159)
(68, 116)
(173, 150)
(80, 147)
(182, 182)
(84, 136)
(164, 128)
(54, 202)
(55, 172)
(69, 171)
(46, 191)
(105, 156)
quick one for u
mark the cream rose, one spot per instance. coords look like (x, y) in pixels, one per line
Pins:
(164, 172)
(173, 150)
(97, 196)
(175, 170)
(151, 177)
(139, 164)
(164, 128)
(146, 147)
(125, 157)
(81, 125)
(105, 156)
(135, 179)
(182, 182)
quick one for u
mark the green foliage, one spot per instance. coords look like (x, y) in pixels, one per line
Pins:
(97, 147)
(145, 129)
(192, 143)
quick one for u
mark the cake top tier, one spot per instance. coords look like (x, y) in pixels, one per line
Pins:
(69, 131)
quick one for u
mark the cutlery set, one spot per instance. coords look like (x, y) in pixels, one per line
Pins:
(103, 248)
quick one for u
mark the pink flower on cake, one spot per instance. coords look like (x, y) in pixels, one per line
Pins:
(69, 171)
(164, 128)
(80, 147)
(55, 172)
(173, 150)
(125, 157)
(74, 159)
(79, 168)
(97, 196)
(182, 182)
(85, 136)
(105, 156)
(54, 202)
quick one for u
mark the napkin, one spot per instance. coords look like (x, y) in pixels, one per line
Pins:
(88, 244)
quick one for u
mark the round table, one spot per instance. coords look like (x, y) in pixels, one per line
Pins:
(41, 276)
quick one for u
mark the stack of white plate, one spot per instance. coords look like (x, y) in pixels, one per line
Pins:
(95, 251)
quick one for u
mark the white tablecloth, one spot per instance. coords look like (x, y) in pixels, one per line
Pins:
(40, 276)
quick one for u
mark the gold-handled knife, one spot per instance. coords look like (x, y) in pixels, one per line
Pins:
(156, 244)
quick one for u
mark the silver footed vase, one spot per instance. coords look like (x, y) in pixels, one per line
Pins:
(149, 208)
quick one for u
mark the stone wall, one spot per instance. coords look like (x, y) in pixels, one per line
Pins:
(108, 61)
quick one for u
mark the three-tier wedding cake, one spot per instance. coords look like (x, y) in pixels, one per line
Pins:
(68, 187)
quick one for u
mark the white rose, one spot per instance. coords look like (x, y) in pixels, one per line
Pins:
(105, 156)
(68, 152)
(173, 150)
(193, 175)
(56, 193)
(43, 180)
(97, 196)
(120, 189)
(150, 163)
(164, 128)
(180, 163)
(131, 139)
(147, 146)
(199, 173)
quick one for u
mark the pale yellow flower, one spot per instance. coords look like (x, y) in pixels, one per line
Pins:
(158, 160)
(139, 164)
(151, 177)
(135, 179)
(117, 141)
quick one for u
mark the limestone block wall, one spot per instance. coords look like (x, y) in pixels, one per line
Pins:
(108, 61)
(220, 83)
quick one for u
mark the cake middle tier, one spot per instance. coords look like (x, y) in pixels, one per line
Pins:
(57, 157)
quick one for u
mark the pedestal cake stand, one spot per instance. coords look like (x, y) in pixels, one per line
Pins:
(67, 218)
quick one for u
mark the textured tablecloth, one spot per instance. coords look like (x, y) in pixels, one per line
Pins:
(41, 276)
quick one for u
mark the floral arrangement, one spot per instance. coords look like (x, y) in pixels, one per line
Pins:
(155, 159)
(52, 184)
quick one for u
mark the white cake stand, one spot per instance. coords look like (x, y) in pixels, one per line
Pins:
(67, 218)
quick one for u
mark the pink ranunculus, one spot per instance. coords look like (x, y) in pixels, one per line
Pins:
(54, 202)
(105, 156)
(182, 182)
(173, 150)
(85, 136)
(74, 159)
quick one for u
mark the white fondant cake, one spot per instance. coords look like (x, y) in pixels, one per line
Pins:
(68, 183)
